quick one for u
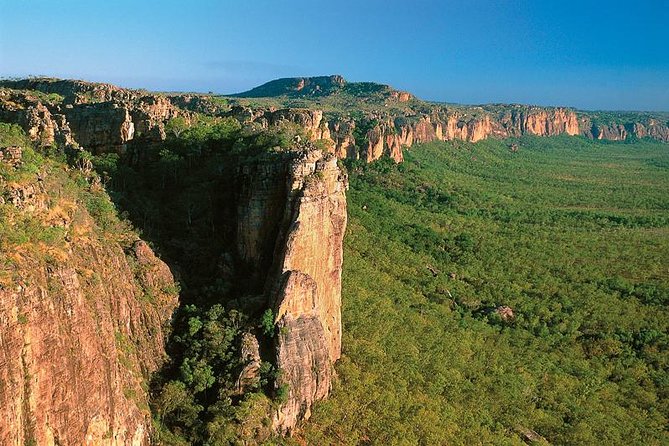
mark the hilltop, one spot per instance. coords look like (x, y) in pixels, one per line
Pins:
(323, 86)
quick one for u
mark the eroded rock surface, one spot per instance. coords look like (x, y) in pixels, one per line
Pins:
(98, 117)
(308, 302)
(302, 350)
(105, 118)
(81, 326)
(299, 255)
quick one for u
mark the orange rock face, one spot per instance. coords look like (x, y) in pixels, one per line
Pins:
(98, 117)
(291, 222)
(104, 118)
(342, 138)
(313, 244)
(390, 138)
(79, 335)
(308, 301)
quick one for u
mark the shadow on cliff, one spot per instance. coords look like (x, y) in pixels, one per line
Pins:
(187, 197)
(183, 197)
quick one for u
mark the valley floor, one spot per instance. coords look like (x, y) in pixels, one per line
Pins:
(571, 234)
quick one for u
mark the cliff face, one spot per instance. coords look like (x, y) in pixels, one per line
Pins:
(312, 247)
(389, 136)
(308, 302)
(303, 194)
(81, 319)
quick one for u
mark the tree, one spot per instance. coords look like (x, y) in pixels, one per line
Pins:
(176, 126)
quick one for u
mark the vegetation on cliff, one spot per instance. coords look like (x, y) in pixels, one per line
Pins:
(494, 292)
(183, 195)
(41, 191)
(82, 300)
(571, 235)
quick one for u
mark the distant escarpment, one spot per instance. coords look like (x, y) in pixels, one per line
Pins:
(355, 120)
(373, 135)
(364, 120)
(83, 309)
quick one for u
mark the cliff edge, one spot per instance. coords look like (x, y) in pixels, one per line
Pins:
(303, 193)
(83, 310)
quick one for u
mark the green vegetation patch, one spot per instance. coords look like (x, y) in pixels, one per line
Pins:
(572, 235)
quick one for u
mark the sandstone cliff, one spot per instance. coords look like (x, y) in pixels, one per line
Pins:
(308, 302)
(299, 257)
(388, 136)
(374, 135)
(97, 117)
(82, 314)
(104, 301)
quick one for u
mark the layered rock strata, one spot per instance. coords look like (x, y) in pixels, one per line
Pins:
(97, 117)
(389, 136)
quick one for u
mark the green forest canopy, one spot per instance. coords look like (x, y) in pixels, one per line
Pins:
(571, 234)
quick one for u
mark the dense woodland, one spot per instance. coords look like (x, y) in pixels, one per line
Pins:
(571, 234)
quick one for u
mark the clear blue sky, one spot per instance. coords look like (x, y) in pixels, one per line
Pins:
(588, 54)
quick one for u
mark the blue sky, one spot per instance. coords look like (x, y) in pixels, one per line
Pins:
(586, 54)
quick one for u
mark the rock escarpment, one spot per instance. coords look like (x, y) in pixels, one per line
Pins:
(82, 317)
(387, 120)
(105, 118)
(98, 117)
(308, 301)
(377, 135)
(304, 192)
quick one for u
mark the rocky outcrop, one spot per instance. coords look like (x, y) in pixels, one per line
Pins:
(652, 128)
(81, 324)
(302, 354)
(613, 132)
(12, 156)
(104, 118)
(308, 301)
(298, 87)
(78, 342)
(341, 133)
(72, 91)
(443, 125)
(538, 121)
(261, 200)
(104, 126)
(390, 135)
(312, 245)
(97, 117)
(311, 121)
(291, 223)
(250, 356)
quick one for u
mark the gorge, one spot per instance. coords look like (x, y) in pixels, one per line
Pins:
(259, 199)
